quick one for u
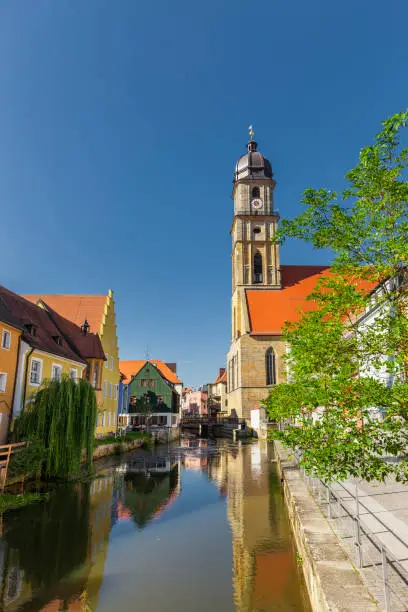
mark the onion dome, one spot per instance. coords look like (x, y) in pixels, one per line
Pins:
(253, 164)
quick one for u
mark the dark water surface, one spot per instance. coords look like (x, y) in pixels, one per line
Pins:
(197, 527)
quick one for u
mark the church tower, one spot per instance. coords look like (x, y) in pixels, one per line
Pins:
(255, 259)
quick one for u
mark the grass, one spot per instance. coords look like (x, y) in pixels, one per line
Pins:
(11, 502)
(129, 437)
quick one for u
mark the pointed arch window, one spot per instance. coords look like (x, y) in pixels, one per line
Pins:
(270, 367)
(257, 268)
(256, 192)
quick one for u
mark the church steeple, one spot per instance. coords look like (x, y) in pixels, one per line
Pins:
(255, 259)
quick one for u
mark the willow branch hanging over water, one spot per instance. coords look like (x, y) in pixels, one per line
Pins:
(63, 416)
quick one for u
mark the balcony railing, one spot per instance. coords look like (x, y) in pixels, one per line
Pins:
(266, 211)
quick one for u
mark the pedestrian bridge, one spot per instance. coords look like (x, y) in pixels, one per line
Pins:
(221, 427)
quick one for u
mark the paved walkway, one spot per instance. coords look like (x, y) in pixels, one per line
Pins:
(383, 513)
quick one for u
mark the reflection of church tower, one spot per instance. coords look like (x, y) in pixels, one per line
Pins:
(264, 567)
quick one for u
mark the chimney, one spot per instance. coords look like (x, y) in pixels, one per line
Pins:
(173, 367)
(222, 372)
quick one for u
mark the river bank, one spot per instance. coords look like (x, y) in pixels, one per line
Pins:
(331, 579)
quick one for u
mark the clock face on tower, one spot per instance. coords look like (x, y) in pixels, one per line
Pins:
(257, 204)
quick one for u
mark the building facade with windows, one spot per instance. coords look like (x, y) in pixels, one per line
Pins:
(153, 393)
(10, 333)
(44, 346)
(265, 294)
(99, 313)
(217, 394)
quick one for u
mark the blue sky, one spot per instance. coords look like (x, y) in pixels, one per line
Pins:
(120, 123)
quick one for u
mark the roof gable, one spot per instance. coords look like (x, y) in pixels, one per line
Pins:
(131, 367)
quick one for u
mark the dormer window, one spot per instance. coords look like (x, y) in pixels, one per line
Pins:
(31, 329)
(57, 340)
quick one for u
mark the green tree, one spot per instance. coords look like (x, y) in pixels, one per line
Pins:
(63, 417)
(343, 417)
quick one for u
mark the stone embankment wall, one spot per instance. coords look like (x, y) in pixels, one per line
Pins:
(162, 436)
(332, 581)
(110, 449)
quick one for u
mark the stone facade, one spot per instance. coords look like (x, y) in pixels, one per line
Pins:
(255, 265)
(247, 385)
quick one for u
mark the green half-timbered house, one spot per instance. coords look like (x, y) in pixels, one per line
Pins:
(153, 400)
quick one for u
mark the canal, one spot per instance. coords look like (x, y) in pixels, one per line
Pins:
(199, 526)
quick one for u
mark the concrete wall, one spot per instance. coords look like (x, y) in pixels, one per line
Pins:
(331, 579)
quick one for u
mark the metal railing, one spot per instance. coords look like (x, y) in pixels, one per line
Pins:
(384, 574)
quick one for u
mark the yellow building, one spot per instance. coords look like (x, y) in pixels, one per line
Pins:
(10, 333)
(99, 312)
(37, 345)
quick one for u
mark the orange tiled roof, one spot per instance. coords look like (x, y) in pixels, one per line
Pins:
(269, 309)
(75, 308)
(222, 376)
(131, 367)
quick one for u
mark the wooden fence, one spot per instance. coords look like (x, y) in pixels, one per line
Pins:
(6, 451)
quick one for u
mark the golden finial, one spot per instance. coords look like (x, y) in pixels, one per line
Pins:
(251, 131)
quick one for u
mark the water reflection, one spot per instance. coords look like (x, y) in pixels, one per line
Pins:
(149, 485)
(206, 515)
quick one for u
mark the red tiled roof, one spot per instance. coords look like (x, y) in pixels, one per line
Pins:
(89, 345)
(46, 331)
(131, 367)
(270, 309)
(76, 308)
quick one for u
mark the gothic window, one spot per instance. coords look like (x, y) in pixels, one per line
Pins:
(270, 367)
(257, 268)
(256, 192)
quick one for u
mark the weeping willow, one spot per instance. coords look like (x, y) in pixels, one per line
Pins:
(63, 416)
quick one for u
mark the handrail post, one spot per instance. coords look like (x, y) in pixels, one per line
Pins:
(328, 501)
(357, 542)
(385, 579)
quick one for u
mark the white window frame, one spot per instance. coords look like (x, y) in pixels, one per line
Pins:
(109, 418)
(59, 367)
(105, 388)
(75, 371)
(103, 419)
(40, 361)
(107, 360)
(5, 334)
(111, 363)
(3, 387)
(110, 389)
(115, 392)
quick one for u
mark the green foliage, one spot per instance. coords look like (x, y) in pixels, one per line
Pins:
(52, 539)
(334, 361)
(11, 502)
(62, 416)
